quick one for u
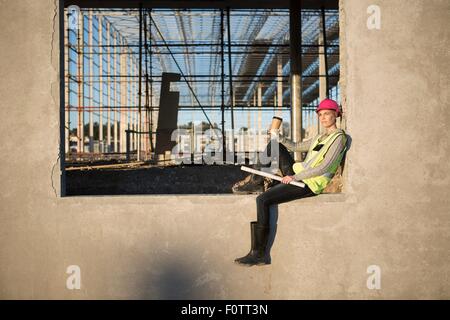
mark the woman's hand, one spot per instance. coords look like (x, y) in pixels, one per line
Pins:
(276, 132)
(287, 179)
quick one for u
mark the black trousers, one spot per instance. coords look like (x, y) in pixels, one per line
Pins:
(279, 193)
(284, 158)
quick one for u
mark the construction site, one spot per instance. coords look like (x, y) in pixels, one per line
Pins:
(134, 77)
(125, 125)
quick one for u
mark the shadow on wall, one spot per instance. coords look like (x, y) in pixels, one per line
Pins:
(349, 143)
(273, 222)
(179, 275)
(348, 146)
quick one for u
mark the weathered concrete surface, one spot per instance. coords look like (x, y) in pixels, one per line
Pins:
(394, 214)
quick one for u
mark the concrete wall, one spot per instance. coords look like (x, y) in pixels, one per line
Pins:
(394, 213)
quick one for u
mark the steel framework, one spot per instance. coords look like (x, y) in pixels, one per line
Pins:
(235, 66)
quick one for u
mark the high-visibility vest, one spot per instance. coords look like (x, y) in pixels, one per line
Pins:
(318, 184)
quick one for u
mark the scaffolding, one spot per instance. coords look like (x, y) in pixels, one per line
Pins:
(235, 72)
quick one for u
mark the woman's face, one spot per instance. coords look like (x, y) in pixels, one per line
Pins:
(327, 117)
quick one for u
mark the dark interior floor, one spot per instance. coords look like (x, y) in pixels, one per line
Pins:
(186, 179)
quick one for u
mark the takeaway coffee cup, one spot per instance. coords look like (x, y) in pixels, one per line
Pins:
(276, 123)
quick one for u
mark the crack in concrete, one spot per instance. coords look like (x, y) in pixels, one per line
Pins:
(59, 143)
(51, 176)
(53, 33)
(51, 91)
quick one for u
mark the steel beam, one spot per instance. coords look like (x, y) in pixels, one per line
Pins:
(295, 31)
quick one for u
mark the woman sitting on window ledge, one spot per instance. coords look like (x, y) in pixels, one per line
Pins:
(324, 156)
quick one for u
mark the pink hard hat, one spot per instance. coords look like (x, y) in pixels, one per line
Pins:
(328, 104)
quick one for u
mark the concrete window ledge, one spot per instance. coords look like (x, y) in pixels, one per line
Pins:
(197, 199)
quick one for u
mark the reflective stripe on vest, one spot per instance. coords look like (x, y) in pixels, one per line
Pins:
(318, 184)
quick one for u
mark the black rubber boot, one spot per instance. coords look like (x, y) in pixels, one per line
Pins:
(257, 254)
(252, 245)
